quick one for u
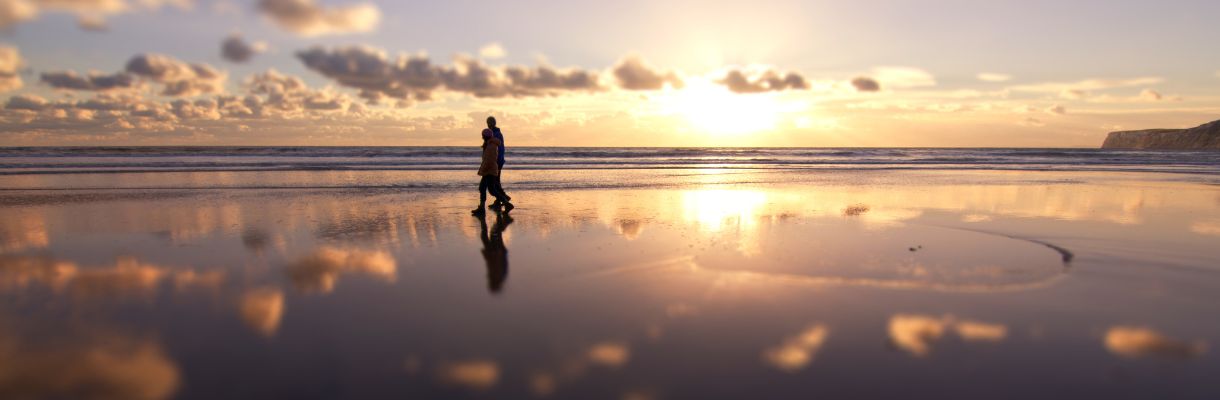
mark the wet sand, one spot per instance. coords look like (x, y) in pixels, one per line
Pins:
(645, 284)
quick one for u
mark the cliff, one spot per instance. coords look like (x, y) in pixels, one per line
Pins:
(1202, 137)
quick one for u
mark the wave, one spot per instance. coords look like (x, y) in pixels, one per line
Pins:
(36, 160)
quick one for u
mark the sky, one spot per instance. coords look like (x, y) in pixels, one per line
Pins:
(595, 73)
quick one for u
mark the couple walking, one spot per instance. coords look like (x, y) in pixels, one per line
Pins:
(493, 162)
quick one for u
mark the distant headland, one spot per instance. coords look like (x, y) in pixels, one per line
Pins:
(1202, 137)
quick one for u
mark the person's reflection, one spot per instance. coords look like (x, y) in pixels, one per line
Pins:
(494, 251)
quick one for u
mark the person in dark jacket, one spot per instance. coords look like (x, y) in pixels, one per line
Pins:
(495, 131)
(489, 169)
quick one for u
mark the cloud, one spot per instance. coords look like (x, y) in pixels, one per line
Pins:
(127, 277)
(272, 102)
(93, 23)
(26, 102)
(10, 67)
(1073, 94)
(915, 333)
(320, 270)
(610, 354)
(84, 363)
(474, 374)
(13, 12)
(91, 14)
(417, 78)
(798, 351)
(178, 78)
(903, 77)
(768, 80)
(633, 73)
(1206, 227)
(236, 49)
(492, 51)
(307, 18)
(865, 84)
(993, 77)
(1139, 342)
(1056, 110)
(1081, 88)
(1150, 95)
(1032, 122)
(93, 82)
(262, 309)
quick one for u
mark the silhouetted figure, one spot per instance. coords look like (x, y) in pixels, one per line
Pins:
(495, 132)
(494, 251)
(489, 170)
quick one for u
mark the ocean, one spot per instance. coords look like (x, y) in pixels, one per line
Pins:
(57, 160)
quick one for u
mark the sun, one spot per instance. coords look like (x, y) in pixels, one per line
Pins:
(713, 109)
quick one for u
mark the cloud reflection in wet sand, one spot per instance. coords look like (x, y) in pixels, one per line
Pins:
(797, 351)
(24, 230)
(473, 374)
(84, 366)
(127, 277)
(914, 333)
(262, 309)
(610, 354)
(318, 271)
(1140, 342)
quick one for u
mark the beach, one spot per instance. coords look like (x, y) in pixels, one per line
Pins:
(1074, 275)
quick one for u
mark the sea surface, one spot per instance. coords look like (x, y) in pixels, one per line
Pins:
(256, 273)
(27, 160)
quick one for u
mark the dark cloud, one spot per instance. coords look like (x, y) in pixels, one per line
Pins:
(178, 78)
(306, 18)
(26, 102)
(769, 80)
(417, 78)
(635, 74)
(96, 82)
(865, 84)
(271, 99)
(236, 49)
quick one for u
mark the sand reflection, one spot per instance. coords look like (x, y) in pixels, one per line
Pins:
(23, 230)
(320, 270)
(262, 309)
(1139, 342)
(84, 366)
(126, 277)
(610, 354)
(797, 351)
(915, 333)
(473, 374)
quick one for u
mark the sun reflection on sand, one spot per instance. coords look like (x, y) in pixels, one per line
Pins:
(716, 210)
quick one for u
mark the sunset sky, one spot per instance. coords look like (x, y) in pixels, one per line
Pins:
(1024, 73)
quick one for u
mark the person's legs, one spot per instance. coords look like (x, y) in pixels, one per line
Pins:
(501, 187)
(484, 185)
